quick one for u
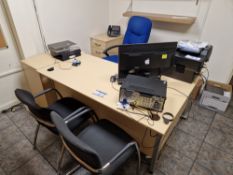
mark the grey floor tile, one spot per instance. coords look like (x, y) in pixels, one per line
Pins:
(172, 162)
(215, 161)
(52, 153)
(36, 166)
(156, 172)
(221, 139)
(202, 114)
(229, 112)
(194, 127)
(5, 122)
(45, 138)
(18, 114)
(24, 120)
(68, 165)
(2, 172)
(16, 156)
(185, 143)
(28, 124)
(130, 167)
(197, 169)
(9, 137)
(223, 122)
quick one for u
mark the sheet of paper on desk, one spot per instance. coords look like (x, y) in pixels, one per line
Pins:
(99, 93)
(193, 57)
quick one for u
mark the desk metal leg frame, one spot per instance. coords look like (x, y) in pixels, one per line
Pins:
(155, 153)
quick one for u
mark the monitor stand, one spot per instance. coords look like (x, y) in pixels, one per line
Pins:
(155, 74)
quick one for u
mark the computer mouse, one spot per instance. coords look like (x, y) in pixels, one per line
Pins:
(50, 69)
(113, 78)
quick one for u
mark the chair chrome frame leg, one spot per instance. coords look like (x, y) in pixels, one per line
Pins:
(139, 160)
(94, 117)
(73, 170)
(59, 163)
(36, 134)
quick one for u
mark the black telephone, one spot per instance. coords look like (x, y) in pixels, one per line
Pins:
(113, 31)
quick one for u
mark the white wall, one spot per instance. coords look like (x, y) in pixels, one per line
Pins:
(214, 24)
(11, 75)
(180, 7)
(23, 16)
(60, 20)
(78, 19)
(219, 32)
(75, 20)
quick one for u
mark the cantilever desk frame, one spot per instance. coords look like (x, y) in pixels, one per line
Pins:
(94, 74)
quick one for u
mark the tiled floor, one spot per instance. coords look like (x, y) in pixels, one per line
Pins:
(199, 145)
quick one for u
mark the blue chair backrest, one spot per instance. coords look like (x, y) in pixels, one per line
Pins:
(138, 30)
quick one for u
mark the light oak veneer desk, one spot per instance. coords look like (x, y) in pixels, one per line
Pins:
(94, 74)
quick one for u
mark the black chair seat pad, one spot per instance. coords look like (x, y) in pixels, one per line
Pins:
(65, 107)
(107, 139)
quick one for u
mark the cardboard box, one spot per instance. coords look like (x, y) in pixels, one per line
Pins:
(216, 96)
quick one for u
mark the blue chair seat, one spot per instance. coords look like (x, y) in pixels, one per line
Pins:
(112, 58)
(138, 32)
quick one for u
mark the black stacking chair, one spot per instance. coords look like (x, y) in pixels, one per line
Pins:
(101, 147)
(63, 106)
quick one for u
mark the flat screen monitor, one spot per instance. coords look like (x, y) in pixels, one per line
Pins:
(145, 59)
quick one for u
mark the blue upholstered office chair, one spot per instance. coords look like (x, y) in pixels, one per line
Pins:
(138, 31)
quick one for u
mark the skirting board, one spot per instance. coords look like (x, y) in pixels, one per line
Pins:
(8, 105)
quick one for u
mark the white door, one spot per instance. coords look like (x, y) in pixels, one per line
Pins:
(11, 75)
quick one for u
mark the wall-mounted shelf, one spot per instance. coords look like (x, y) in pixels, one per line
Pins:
(162, 17)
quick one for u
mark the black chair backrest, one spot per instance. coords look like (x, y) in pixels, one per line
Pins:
(27, 98)
(77, 146)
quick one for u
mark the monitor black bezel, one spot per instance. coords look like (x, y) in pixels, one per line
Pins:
(140, 49)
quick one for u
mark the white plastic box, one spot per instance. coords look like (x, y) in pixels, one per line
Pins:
(216, 96)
